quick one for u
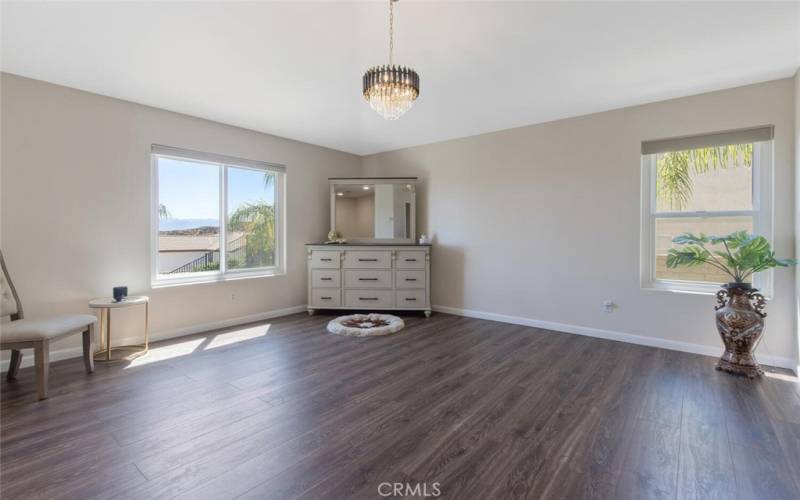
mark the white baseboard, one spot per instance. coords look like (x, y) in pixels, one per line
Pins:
(672, 345)
(74, 352)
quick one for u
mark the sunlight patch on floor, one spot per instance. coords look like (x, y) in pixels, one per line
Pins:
(186, 347)
(237, 336)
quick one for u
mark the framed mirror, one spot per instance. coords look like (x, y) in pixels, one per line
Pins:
(374, 209)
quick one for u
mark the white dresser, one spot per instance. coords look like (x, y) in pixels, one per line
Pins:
(369, 277)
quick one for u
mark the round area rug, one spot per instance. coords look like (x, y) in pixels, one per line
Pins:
(366, 325)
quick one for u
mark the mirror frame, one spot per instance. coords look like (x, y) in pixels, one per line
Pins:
(333, 181)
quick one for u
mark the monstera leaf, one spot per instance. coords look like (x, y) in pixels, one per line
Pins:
(690, 256)
(691, 239)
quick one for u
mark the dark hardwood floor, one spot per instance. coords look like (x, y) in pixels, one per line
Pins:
(470, 408)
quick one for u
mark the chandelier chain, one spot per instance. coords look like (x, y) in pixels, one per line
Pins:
(391, 32)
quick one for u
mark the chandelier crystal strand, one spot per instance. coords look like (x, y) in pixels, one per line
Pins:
(389, 89)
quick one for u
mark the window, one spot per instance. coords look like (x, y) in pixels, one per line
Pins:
(215, 217)
(714, 184)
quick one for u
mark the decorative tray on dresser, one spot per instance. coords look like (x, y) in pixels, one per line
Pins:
(369, 277)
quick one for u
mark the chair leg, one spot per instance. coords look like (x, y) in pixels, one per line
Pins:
(88, 349)
(13, 366)
(41, 353)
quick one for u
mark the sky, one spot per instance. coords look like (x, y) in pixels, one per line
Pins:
(191, 190)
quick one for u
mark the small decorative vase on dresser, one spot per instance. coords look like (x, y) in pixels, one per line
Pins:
(369, 277)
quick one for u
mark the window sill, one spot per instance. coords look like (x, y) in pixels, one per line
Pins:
(215, 278)
(688, 288)
(682, 288)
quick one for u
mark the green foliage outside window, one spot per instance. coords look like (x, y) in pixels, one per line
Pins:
(257, 222)
(675, 169)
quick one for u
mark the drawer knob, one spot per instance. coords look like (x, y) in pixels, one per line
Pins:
(367, 279)
(411, 279)
(326, 259)
(411, 260)
(368, 260)
(326, 298)
(326, 279)
(411, 299)
(368, 298)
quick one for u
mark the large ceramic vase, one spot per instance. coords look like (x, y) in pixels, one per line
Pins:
(740, 321)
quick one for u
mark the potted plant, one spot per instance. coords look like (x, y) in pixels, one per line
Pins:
(740, 308)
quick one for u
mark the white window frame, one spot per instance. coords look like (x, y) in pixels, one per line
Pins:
(223, 163)
(761, 213)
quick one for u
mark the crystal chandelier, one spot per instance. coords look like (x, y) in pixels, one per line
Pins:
(389, 89)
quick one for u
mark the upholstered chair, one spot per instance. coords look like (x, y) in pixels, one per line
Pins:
(18, 333)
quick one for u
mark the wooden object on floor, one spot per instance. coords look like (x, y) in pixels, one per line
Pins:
(20, 333)
(281, 409)
(105, 305)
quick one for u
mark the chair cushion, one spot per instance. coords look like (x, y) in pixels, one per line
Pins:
(25, 330)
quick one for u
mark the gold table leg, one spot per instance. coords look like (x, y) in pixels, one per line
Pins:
(101, 342)
(108, 333)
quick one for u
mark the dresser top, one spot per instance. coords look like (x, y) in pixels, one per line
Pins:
(368, 244)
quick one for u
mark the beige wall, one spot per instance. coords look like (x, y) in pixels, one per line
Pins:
(797, 209)
(76, 194)
(542, 222)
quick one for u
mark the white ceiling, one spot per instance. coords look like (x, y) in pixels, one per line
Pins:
(294, 68)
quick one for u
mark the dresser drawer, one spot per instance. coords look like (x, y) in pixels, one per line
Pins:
(325, 259)
(410, 279)
(373, 299)
(326, 297)
(324, 278)
(361, 259)
(411, 298)
(410, 259)
(367, 279)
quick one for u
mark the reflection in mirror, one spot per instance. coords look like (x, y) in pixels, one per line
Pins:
(374, 209)
(355, 214)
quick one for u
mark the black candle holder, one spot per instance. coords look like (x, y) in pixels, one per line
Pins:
(120, 292)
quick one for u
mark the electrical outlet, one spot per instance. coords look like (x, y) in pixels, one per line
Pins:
(608, 306)
(233, 296)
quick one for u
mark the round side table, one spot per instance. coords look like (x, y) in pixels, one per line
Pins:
(106, 305)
